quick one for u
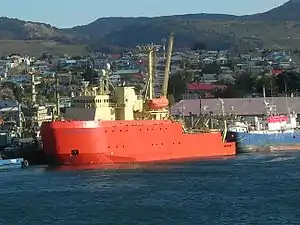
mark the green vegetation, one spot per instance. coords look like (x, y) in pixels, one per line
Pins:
(36, 48)
(241, 85)
(275, 85)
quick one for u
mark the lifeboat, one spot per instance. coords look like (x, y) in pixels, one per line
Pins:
(158, 103)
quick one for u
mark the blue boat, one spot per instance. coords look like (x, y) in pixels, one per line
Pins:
(13, 163)
(277, 133)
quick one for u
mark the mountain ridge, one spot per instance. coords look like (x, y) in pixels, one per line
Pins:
(214, 30)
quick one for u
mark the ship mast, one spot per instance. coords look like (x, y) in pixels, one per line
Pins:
(33, 90)
(104, 80)
(150, 50)
(57, 96)
(225, 121)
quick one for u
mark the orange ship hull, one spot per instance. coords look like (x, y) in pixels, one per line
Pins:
(105, 142)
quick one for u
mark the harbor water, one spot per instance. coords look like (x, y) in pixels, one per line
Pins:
(247, 189)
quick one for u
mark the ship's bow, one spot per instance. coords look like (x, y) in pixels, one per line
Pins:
(73, 142)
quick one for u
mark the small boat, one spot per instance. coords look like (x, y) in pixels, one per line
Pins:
(13, 163)
(274, 133)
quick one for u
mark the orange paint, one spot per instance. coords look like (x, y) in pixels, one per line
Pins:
(158, 103)
(105, 142)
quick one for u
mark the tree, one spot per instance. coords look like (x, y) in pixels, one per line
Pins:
(199, 46)
(188, 75)
(212, 68)
(229, 92)
(224, 79)
(89, 75)
(171, 99)
(46, 56)
(76, 57)
(287, 81)
(263, 81)
(245, 82)
(177, 85)
(17, 90)
(18, 93)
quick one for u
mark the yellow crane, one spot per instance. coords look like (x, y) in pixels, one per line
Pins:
(164, 90)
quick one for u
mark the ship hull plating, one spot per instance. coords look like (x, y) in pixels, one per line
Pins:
(106, 142)
(266, 141)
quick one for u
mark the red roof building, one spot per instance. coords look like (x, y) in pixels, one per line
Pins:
(204, 87)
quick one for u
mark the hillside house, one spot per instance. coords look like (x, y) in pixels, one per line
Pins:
(208, 60)
(130, 75)
(8, 104)
(20, 78)
(209, 78)
(202, 89)
(222, 60)
(68, 63)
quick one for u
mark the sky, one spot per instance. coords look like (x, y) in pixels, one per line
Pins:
(69, 13)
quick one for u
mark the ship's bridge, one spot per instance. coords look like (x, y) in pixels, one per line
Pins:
(91, 101)
(121, 106)
(97, 107)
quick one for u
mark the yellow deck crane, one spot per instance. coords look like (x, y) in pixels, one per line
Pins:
(164, 90)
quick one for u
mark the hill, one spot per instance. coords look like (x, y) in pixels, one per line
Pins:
(18, 36)
(278, 27)
(15, 29)
(104, 26)
(38, 47)
(286, 12)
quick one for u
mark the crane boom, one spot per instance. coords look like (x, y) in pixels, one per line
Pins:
(164, 90)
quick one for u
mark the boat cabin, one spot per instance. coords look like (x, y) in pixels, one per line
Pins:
(282, 122)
